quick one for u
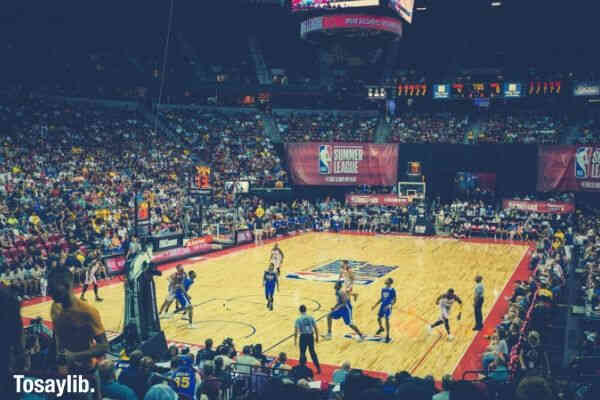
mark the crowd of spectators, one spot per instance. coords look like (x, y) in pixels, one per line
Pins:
(590, 130)
(412, 127)
(71, 173)
(326, 127)
(520, 127)
(235, 145)
(589, 284)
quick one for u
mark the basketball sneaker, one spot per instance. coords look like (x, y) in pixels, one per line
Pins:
(327, 337)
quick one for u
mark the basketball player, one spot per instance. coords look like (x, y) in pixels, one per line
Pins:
(174, 280)
(187, 283)
(270, 281)
(90, 278)
(387, 301)
(445, 301)
(347, 277)
(343, 309)
(277, 258)
(183, 299)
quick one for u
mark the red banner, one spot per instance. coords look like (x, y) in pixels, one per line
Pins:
(116, 265)
(343, 164)
(568, 168)
(376, 200)
(539, 206)
(351, 21)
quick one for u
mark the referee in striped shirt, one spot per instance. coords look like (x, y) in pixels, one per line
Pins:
(306, 327)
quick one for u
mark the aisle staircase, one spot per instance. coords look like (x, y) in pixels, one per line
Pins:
(262, 71)
(383, 130)
(196, 63)
(390, 60)
(271, 128)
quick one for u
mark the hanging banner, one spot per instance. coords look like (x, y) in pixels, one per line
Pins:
(343, 164)
(568, 168)
(376, 200)
(539, 206)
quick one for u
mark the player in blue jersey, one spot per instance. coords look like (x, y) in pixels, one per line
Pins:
(386, 302)
(183, 299)
(270, 281)
(185, 376)
(187, 283)
(343, 309)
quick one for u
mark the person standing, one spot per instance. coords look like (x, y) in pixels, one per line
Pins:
(386, 302)
(478, 303)
(270, 282)
(306, 327)
(79, 334)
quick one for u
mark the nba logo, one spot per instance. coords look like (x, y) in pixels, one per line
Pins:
(582, 160)
(324, 159)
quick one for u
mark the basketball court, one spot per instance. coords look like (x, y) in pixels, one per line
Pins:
(229, 300)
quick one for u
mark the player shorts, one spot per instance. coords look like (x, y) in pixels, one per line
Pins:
(90, 278)
(344, 312)
(258, 232)
(171, 295)
(269, 290)
(182, 299)
(384, 312)
(276, 262)
(444, 313)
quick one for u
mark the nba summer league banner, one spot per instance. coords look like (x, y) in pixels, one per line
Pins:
(343, 163)
(568, 168)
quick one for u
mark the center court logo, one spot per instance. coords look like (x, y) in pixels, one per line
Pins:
(365, 273)
(324, 159)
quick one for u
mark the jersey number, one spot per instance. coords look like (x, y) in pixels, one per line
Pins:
(182, 382)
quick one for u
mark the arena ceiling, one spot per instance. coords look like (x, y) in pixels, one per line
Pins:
(514, 35)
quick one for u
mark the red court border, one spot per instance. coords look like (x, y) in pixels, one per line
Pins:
(470, 359)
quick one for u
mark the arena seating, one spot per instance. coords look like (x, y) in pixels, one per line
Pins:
(329, 127)
(415, 127)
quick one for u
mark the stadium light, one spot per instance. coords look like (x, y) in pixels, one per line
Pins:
(496, 3)
(421, 8)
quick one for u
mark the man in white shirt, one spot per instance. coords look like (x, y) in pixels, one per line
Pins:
(245, 362)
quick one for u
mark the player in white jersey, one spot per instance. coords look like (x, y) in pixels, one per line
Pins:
(90, 277)
(445, 301)
(348, 278)
(175, 280)
(277, 258)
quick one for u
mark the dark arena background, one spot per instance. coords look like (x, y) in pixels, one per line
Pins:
(195, 194)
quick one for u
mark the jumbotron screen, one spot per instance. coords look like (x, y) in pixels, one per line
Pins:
(306, 5)
(404, 8)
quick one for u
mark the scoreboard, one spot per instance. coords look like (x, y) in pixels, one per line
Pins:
(544, 88)
(411, 89)
(478, 90)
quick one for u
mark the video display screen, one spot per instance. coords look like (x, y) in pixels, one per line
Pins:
(513, 89)
(307, 5)
(404, 8)
(237, 187)
(441, 91)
